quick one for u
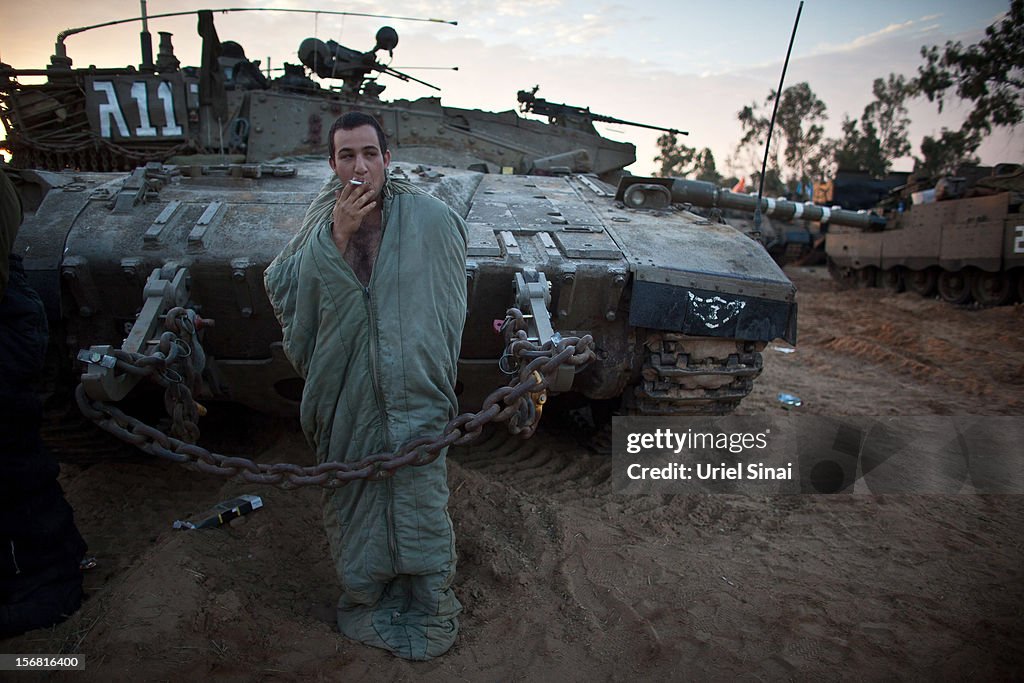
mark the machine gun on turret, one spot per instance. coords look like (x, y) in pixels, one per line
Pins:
(570, 116)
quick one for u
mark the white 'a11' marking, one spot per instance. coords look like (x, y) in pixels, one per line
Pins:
(110, 111)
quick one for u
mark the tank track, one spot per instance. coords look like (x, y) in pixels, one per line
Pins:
(73, 438)
(957, 288)
(683, 375)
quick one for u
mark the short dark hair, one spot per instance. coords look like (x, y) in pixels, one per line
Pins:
(352, 120)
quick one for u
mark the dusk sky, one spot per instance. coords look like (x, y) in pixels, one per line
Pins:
(688, 65)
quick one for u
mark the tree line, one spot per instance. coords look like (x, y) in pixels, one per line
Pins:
(989, 75)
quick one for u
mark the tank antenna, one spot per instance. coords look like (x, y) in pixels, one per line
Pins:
(60, 51)
(771, 126)
(147, 40)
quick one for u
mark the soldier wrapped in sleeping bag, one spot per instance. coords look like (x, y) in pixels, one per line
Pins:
(379, 364)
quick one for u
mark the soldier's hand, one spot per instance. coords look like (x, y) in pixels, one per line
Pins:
(352, 204)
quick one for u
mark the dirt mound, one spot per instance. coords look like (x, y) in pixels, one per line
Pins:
(563, 579)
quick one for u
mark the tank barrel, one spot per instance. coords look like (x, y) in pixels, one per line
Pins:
(611, 119)
(708, 195)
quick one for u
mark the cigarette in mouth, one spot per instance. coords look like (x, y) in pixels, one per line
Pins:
(355, 182)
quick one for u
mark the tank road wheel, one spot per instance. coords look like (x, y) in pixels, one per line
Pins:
(867, 277)
(991, 289)
(921, 282)
(955, 287)
(842, 276)
(794, 252)
(892, 280)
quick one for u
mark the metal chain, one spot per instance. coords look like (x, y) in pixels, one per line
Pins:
(519, 403)
(100, 154)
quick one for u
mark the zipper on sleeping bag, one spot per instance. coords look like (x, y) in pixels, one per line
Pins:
(379, 398)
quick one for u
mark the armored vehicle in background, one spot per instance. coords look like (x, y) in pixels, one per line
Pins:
(966, 243)
(163, 190)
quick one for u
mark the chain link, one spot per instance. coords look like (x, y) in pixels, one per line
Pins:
(519, 404)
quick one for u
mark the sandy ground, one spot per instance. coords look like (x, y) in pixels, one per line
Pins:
(563, 580)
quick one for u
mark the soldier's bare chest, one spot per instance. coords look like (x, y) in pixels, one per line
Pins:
(363, 248)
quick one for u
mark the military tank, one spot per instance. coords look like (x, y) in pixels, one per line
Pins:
(964, 243)
(164, 192)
